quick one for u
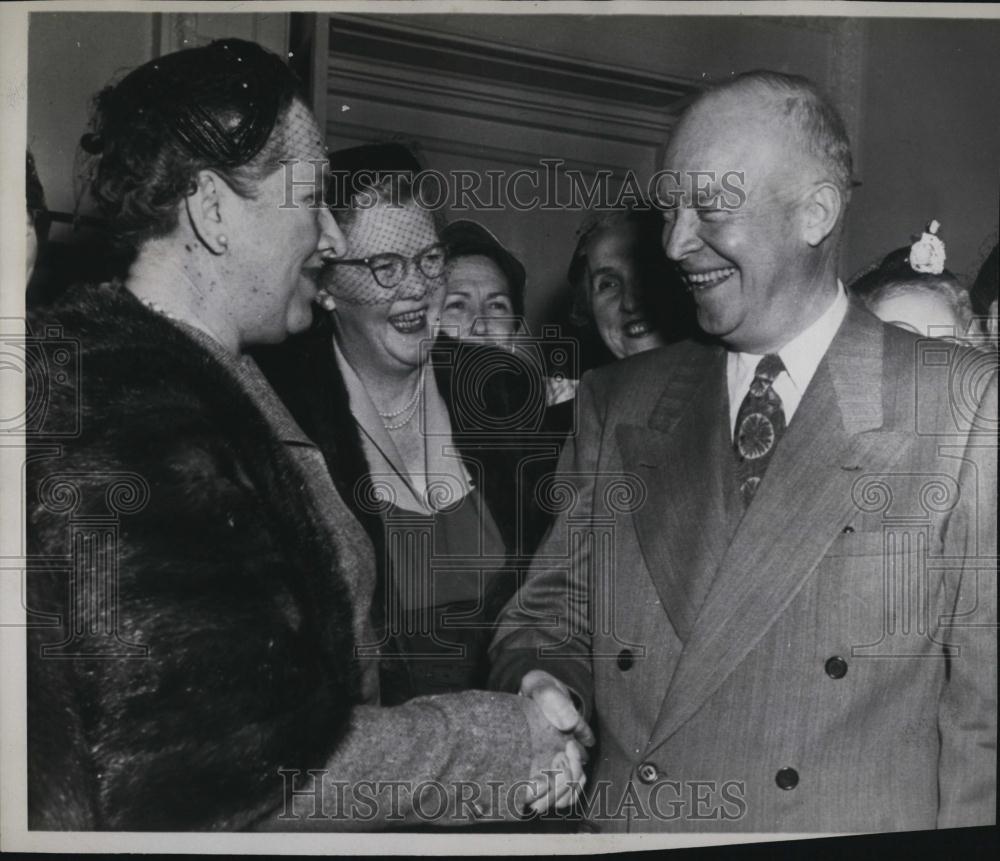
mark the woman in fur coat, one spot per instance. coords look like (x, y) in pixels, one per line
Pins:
(197, 587)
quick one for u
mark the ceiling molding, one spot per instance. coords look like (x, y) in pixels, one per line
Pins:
(349, 78)
(378, 41)
(521, 158)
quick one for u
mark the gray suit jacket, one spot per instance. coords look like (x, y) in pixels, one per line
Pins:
(825, 662)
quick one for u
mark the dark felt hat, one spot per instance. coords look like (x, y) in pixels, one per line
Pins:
(465, 238)
(371, 162)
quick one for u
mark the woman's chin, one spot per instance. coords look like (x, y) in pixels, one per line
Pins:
(299, 318)
(634, 346)
(407, 349)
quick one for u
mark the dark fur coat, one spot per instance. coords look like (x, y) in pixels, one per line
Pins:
(223, 580)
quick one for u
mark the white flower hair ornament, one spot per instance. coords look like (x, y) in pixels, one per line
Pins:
(927, 253)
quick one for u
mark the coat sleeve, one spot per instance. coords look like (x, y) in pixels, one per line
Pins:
(456, 759)
(222, 664)
(546, 624)
(967, 715)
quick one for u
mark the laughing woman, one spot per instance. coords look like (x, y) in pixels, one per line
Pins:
(623, 285)
(436, 464)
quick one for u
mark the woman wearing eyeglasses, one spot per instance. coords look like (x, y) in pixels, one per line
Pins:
(435, 463)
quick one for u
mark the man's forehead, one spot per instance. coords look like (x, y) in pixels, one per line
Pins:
(720, 127)
(730, 141)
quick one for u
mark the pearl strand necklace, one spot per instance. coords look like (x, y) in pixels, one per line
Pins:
(402, 423)
(410, 407)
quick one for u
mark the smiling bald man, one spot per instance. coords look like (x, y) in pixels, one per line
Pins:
(788, 624)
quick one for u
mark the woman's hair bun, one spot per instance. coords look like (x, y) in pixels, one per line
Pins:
(212, 107)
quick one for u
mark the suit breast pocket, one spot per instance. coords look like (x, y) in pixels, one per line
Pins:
(874, 595)
(850, 543)
(851, 590)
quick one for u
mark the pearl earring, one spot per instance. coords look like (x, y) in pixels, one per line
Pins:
(325, 300)
(222, 239)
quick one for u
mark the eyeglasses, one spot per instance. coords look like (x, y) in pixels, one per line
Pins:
(390, 270)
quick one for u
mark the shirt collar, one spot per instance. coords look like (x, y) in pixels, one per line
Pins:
(801, 356)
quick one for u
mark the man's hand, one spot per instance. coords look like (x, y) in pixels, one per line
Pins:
(557, 761)
(559, 778)
(556, 703)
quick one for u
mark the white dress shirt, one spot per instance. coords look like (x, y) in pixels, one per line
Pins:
(801, 357)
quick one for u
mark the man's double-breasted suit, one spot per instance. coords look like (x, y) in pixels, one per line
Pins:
(825, 661)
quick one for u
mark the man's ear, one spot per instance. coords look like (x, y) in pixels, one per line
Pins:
(821, 212)
(206, 209)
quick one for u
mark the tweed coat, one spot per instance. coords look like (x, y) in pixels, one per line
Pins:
(825, 662)
(193, 606)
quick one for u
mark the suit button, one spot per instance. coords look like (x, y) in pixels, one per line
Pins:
(625, 660)
(847, 530)
(787, 778)
(647, 772)
(836, 667)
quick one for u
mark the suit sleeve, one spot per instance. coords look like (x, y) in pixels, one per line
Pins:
(546, 625)
(967, 716)
(457, 759)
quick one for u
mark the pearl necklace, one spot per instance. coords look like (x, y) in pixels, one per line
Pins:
(402, 423)
(410, 407)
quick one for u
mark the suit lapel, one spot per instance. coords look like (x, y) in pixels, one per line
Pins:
(686, 483)
(802, 502)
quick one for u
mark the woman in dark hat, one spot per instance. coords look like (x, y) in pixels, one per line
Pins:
(196, 643)
(484, 299)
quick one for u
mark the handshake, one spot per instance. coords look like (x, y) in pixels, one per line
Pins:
(559, 739)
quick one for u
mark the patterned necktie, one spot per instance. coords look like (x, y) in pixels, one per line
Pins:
(759, 425)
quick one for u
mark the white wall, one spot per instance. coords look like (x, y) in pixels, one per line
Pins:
(930, 144)
(71, 56)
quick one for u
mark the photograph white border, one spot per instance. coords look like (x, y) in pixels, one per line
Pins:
(13, 93)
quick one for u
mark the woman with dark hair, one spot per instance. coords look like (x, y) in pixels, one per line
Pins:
(445, 468)
(203, 640)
